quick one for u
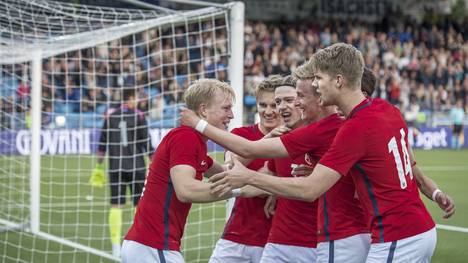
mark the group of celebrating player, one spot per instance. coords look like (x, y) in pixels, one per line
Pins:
(336, 163)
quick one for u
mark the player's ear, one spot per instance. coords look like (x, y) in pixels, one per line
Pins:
(339, 81)
(202, 110)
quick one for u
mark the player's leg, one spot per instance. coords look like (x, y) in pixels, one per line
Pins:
(353, 249)
(117, 187)
(454, 138)
(277, 253)
(134, 252)
(227, 251)
(417, 248)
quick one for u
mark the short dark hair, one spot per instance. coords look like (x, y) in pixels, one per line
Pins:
(127, 93)
(288, 81)
(368, 81)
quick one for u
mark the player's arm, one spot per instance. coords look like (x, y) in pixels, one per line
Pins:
(98, 177)
(190, 190)
(215, 169)
(267, 148)
(102, 147)
(306, 188)
(430, 189)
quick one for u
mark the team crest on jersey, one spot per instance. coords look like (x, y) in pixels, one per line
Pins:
(203, 163)
(307, 159)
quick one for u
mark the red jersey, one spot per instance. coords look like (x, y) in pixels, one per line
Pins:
(374, 140)
(160, 217)
(295, 222)
(340, 213)
(248, 224)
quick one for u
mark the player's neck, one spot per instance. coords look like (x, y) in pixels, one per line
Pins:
(350, 101)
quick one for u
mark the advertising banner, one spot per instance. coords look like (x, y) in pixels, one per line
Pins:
(85, 141)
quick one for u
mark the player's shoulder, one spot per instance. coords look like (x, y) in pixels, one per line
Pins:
(185, 132)
(183, 136)
(246, 130)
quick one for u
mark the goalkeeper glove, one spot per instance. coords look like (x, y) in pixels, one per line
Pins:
(98, 177)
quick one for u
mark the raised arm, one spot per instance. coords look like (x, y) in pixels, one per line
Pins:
(266, 148)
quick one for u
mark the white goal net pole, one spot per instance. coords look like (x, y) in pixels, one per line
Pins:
(236, 71)
(35, 156)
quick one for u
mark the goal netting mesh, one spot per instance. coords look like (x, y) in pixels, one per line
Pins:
(81, 58)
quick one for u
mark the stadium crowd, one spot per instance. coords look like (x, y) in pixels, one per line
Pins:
(421, 69)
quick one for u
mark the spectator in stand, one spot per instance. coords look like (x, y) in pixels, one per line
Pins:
(457, 115)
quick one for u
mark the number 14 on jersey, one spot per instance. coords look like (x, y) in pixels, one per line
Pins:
(403, 165)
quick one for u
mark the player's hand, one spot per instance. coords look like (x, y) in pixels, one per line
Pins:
(98, 176)
(445, 203)
(270, 206)
(278, 131)
(302, 170)
(226, 181)
(188, 117)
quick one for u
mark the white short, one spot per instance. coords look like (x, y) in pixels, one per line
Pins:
(231, 252)
(278, 253)
(418, 249)
(134, 252)
(352, 249)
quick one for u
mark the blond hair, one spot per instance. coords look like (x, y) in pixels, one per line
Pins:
(304, 72)
(203, 91)
(269, 84)
(342, 59)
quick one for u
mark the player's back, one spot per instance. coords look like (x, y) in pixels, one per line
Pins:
(126, 138)
(160, 218)
(248, 224)
(377, 146)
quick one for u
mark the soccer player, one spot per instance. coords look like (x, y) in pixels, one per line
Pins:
(457, 114)
(373, 140)
(292, 235)
(174, 179)
(343, 231)
(246, 231)
(124, 136)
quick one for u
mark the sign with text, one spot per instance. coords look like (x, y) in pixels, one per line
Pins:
(68, 141)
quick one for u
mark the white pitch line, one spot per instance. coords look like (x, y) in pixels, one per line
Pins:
(453, 228)
(444, 168)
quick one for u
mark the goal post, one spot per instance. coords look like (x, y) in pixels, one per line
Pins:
(63, 67)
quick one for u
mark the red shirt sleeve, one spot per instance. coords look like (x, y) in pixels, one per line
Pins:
(210, 162)
(184, 149)
(347, 148)
(300, 141)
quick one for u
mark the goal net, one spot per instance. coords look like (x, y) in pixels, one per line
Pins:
(63, 68)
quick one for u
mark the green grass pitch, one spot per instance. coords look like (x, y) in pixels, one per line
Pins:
(66, 210)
